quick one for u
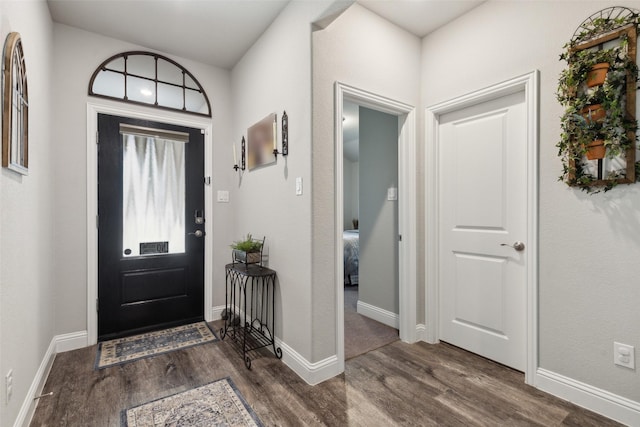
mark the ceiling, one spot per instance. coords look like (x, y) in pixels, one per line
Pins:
(219, 32)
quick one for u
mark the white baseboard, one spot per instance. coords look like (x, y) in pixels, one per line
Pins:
(72, 341)
(421, 332)
(594, 399)
(28, 407)
(58, 344)
(376, 313)
(216, 312)
(312, 373)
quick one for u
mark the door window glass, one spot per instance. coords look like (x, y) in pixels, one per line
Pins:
(153, 195)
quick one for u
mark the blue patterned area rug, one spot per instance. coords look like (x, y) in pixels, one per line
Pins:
(128, 349)
(216, 404)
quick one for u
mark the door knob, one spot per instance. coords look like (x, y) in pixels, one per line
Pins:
(518, 246)
(197, 233)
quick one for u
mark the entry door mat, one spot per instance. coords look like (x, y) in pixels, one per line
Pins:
(128, 349)
(215, 404)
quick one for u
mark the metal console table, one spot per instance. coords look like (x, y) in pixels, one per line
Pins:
(250, 307)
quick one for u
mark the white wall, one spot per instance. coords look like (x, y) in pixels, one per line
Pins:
(274, 76)
(378, 267)
(589, 292)
(26, 239)
(77, 54)
(365, 51)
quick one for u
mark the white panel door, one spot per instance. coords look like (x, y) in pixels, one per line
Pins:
(482, 206)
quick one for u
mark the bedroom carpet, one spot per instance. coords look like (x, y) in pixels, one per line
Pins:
(362, 334)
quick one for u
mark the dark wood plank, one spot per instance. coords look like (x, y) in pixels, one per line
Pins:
(398, 384)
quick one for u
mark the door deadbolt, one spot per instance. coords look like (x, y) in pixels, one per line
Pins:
(198, 217)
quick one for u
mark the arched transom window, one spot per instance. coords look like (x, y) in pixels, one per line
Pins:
(149, 79)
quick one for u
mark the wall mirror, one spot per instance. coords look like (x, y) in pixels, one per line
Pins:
(15, 107)
(150, 79)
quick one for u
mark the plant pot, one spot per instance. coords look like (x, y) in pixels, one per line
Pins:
(596, 150)
(593, 113)
(598, 73)
(246, 257)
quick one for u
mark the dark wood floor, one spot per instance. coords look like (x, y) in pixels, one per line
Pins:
(398, 384)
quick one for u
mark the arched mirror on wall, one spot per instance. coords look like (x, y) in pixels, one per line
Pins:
(149, 79)
(15, 107)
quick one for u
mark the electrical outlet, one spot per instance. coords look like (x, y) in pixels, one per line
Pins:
(624, 355)
(8, 381)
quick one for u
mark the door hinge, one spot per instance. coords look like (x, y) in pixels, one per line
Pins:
(97, 137)
(207, 180)
(400, 237)
(97, 306)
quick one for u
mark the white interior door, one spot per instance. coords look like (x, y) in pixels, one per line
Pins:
(483, 213)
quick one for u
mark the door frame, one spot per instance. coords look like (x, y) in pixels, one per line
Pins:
(529, 84)
(407, 206)
(93, 109)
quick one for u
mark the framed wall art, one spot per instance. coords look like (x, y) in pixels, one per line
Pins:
(15, 107)
(262, 142)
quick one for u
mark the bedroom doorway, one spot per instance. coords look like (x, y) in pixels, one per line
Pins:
(392, 197)
(371, 243)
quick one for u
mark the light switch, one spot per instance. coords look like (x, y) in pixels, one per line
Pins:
(223, 196)
(299, 186)
(392, 193)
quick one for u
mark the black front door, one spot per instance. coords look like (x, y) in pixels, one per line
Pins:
(150, 225)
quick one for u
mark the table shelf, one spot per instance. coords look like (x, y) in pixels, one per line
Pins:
(249, 309)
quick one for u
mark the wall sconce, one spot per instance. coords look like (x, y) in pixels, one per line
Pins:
(285, 136)
(242, 166)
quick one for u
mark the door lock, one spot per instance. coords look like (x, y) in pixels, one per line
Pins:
(198, 217)
(197, 233)
(518, 246)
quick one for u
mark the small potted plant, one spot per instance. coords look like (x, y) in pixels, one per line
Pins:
(247, 251)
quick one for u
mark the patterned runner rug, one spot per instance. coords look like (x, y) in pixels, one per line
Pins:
(123, 350)
(216, 404)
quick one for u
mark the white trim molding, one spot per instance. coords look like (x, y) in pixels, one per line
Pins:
(378, 314)
(594, 399)
(71, 341)
(407, 208)
(216, 312)
(58, 344)
(527, 83)
(311, 373)
(204, 123)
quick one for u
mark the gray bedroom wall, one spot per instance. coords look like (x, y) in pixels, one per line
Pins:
(378, 271)
(348, 194)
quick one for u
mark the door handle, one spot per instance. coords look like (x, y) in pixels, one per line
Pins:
(197, 233)
(518, 246)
